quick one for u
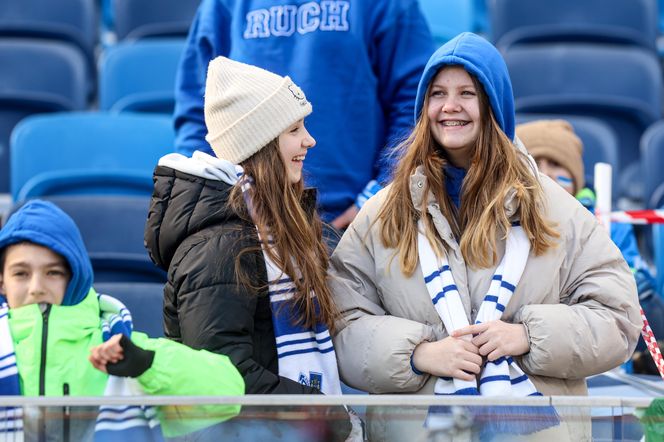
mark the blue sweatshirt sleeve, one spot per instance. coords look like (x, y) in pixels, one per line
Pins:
(403, 46)
(624, 238)
(209, 37)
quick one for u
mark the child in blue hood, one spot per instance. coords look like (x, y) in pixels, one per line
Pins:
(473, 274)
(59, 337)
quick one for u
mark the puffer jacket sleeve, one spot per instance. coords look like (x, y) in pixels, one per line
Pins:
(178, 370)
(373, 348)
(216, 313)
(596, 325)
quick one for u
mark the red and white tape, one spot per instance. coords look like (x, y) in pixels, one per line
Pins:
(602, 207)
(651, 342)
(638, 217)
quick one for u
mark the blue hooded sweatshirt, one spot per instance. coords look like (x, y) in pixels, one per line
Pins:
(483, 61)
(45, 224)
(357, 61)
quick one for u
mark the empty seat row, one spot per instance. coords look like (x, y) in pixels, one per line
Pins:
(631, 22)
(37, 76)
(48, 76)
(87, 152)
(619, 85)
(78, 21)
(48, 51)
(508, 22)
(137, 19)
(139, 76)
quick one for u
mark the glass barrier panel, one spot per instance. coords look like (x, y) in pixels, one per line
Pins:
(293, 418)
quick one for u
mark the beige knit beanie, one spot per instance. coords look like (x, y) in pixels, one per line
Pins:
(246, 107)
(555, 140)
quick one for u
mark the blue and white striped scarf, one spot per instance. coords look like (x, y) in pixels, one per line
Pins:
(501, 377)
(129, 422)
(113, 422)
(305, 355)
(11, 418)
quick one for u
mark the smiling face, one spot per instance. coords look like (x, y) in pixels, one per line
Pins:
(294, 143)
(33, 274)
(454, 114)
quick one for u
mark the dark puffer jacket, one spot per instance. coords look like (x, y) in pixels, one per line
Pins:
(193, 234)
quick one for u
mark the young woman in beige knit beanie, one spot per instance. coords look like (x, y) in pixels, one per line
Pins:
(242, 243)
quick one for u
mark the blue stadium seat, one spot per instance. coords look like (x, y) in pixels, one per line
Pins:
(652, 162)
(600, 143)
(447, 18)
(482, 25)
(36, 76)
(658, 246)
(112, 228)
(140, 76)
(144, 300)
(620, 85)
(87, 153)
(135, 19)
(632, 22)
(72, 21)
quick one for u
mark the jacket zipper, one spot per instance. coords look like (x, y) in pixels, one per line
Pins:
(66, 414)
(42, 372)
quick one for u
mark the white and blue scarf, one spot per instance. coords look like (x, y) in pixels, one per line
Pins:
(305, 355)
(11, 418)
(501, 377)
(113, 422)
(129, 422)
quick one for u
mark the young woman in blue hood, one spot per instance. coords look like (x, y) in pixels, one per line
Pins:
(471, 273)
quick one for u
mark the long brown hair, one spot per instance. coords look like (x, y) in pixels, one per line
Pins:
(496, 169)
(296, 236)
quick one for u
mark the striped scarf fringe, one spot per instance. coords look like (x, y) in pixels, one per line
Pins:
(305, 355)
(11, 418)
(501, 377)
(116, 422)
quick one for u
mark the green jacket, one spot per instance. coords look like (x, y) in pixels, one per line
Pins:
(52, 350)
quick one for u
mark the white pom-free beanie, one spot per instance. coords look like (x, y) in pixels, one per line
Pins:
(246, 107)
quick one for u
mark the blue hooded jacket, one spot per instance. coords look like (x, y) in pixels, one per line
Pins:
(45, 224)
(483, 61)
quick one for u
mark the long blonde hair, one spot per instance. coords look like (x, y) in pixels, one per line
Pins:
(296, 236)
(496, 169)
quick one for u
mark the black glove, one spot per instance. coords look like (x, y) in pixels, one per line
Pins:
(135, 362)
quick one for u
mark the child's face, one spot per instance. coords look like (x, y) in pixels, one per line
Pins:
(556, 172)
(33, 274)
(293, 145)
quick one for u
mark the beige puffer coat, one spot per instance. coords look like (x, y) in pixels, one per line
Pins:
(578, 300)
